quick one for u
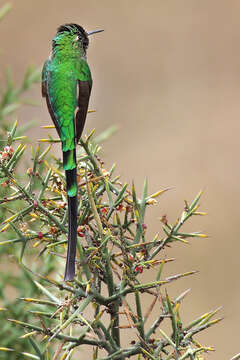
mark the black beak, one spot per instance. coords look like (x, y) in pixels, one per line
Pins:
(94, 32)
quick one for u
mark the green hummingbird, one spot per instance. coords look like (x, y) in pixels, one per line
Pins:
(66, 85)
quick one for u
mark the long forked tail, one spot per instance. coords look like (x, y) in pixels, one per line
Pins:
(71, 180)
(72, 238)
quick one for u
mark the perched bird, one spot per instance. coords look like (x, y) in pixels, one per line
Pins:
(66, 84)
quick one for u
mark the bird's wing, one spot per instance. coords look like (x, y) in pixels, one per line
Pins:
(45, 72)
(45, 75)
(84, 91)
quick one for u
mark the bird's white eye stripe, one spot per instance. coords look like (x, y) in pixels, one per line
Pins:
(76, 38)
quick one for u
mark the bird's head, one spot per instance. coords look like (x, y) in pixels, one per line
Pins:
(74, 34)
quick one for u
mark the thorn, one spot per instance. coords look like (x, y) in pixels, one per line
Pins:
(5, 349)
(27, 335)
(48, 127)
(4, 228)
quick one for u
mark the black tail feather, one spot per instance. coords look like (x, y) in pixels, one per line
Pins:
(72, 232)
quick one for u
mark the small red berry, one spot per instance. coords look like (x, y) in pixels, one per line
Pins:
(131, 257)
(128, 208)
(29, 171)
(144, 226)
(35, 204)
(5, 183)
(139, 269)
(80, 230)
(40, 235)
(164, 219)
(104, 210)
(52, 230)
(8, 149)
(5, 155)
(119, 207)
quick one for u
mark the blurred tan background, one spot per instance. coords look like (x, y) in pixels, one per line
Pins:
(168, 74)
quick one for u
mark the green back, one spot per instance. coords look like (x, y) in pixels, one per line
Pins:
(61, 73)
